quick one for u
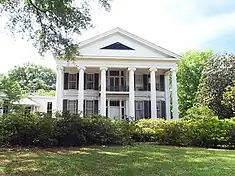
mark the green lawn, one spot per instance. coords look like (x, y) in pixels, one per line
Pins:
(146, 160)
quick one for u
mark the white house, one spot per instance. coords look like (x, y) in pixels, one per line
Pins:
(118, 75)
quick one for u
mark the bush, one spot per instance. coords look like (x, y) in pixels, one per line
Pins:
(207, 132)
(66, 129)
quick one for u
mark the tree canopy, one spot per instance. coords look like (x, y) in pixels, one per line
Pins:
(10, 91)
(218, 74)
(33, 77)
(53, 25)
(188, 77)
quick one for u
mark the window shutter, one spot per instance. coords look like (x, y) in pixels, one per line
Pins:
(162, 83)
(65, 105)
(84, 108)
(163, 109)
(134, 82)
(149, 84)
(149, 109)
(77, 81)
(96, 107)
(76, 106)
(135, 111)
(84, 81)
(96, 82)
(145, 82)
(66, 76)
(146, 115)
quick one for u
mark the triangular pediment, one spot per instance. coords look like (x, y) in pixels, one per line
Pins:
(117, 46)
(120, 43)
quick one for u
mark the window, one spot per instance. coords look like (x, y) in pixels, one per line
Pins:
(158, 108)
(71, 106)
(49, 107)
(117, 46)
(139, 82)
(72, 79)
(89, 108)
(139, 110)
(90, 83)
(158, 86)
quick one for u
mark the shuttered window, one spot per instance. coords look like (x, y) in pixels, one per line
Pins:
(139, 105)
(158, 109)
(72, 81)
(71, 106)
(90, 81)
(91, 107)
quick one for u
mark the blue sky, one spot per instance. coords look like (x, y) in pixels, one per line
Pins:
(178, 25)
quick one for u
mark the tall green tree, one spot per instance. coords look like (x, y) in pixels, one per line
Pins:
(53, 25)
(188, 78)
(219, 73)
(10, 91)
(229, 98)
(33, 77)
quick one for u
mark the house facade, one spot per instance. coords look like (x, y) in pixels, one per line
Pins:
(119, 75)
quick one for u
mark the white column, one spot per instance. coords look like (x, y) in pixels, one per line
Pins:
(131, 92)
(153, 93)
(167, 96)
(81, 90)
(174, 95)
(103, 91)
(59, 88)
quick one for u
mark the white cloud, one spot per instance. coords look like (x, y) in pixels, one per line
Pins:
(176, 25)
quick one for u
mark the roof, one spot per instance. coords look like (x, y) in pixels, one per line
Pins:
(27, 101)
(130, 35)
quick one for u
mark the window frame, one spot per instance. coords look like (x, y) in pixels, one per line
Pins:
(91, 109)
(69, 105)
(71, 81)
(139, 110)
(158, 108)
(49, 107)
(90, 81)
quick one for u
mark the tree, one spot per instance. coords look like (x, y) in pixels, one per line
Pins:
(33, 77)
(218, 74)
(10, 91)
(53, 25)
(229, 97)
(188, 78)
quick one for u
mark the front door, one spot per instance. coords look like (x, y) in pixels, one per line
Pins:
(115, 109)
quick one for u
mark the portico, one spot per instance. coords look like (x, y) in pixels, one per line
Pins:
(117, 81)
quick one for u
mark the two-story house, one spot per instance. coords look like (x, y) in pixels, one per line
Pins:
(119, 75)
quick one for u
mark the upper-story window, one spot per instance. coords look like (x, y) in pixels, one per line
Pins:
(90, 81)
(72, 81)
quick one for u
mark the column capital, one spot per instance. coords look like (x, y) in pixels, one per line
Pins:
(81, 67)
(103, 68)
(173, 69)
(60, 68)
(166, 73)
(153, 69)
(131, 69)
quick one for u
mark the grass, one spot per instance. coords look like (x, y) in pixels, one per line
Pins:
(139, 160)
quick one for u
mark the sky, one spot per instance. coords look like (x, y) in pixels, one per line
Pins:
(177, 25)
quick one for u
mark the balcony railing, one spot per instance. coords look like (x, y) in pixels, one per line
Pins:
(117, 88)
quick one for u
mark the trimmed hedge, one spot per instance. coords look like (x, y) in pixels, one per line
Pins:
(209, 132)
(71, 130)
(65, 130)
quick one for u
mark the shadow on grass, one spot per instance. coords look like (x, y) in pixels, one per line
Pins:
(129, 160)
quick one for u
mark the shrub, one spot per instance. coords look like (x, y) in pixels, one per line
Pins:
(199, 113)
(17, 129)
